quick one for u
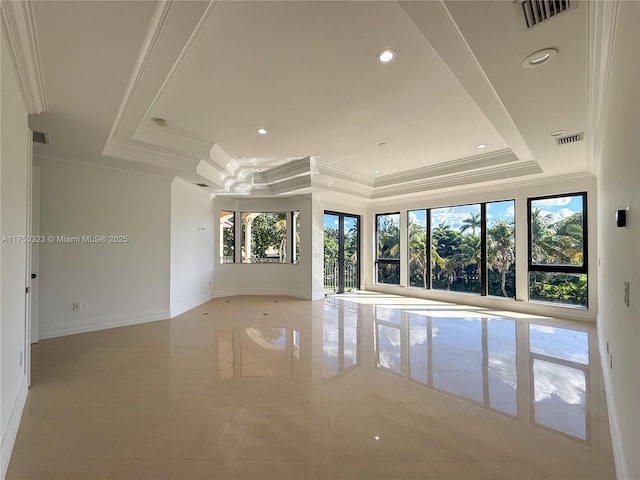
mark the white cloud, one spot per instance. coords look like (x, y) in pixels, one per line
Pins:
(551, 202)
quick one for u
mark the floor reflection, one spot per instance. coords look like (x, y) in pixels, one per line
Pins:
(479, 358)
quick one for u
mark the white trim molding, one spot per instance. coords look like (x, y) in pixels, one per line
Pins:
(602, 27)
(9, 438)
(19, 31)
(103, 323)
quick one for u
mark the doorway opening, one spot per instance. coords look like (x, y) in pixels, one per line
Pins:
(341, 252)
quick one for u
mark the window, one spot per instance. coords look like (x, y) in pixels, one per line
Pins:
(227, 237)
(558, 249)
(264, 237)
(457, 248)
(418, 238)
(295, 245)
(501, 249)
(388, 251)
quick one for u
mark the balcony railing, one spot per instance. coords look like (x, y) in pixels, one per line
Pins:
(332, 275)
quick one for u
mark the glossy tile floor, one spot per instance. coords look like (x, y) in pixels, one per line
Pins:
(360, 386)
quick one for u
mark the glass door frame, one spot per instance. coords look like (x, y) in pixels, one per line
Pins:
(341, 260)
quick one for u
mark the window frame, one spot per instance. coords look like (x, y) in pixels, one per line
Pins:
(581, 269)
(385, 260)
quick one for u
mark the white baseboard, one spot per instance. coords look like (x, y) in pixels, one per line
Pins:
(616, 441)
(94, 324)
(182, 307)
(9, 437)
(263, 292)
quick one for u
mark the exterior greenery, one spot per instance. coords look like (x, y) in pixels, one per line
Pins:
(557, 267)
(268, 237)
(388, 248)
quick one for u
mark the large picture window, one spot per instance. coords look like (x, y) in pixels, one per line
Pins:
(558, 249)
(417, 221)
(264, 237)
(501, 249)
(457, 248)
(388, 248)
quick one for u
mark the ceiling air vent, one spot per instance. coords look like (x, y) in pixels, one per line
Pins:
(203, 185)
(41, 137)
(576, 137)
(539, 11)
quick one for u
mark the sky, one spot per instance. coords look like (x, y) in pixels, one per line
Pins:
(558, 208)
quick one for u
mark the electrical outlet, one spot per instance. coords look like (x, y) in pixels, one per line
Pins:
(76, 306)
(626, 293)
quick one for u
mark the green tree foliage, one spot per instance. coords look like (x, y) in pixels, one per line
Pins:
(557, 243)
(501, 255)
(268, 233)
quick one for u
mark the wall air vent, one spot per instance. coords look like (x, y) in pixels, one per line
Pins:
(576, 137)
(41, 137)
(536, 12)
(203, 185)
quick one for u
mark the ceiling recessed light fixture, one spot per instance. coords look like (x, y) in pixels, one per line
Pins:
(539, 58)
(262, 131)
(481, 146)
(386, 56)
(161, 122)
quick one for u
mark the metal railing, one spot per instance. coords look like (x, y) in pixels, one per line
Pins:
(332, 273)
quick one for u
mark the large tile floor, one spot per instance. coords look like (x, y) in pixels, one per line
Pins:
(359, 386)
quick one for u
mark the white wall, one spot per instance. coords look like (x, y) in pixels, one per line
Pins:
(14, 161)
(517, 192)
(192, 246)
(268, 278)
(619, 186)
(116, 283)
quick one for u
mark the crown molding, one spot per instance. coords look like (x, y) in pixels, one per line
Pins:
(19, 31)
(285, 171)
(539, 182)
(144, 154)
(343, 174)
(339, 185)
(601, 34)
(41, 159)
(498, 173)
(211, 172)
(172, 141)
(490, 159)
(150, 39)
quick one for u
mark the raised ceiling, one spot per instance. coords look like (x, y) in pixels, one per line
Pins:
(307, 71)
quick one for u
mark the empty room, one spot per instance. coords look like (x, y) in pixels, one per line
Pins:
(249, 240)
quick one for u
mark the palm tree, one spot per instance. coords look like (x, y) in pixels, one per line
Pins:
(501, 253)
(473, 222)
(471, 252)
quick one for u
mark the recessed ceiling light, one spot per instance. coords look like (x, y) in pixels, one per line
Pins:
(161, 122)
(376, 171)
(386, 56)
(539, 58)
(557, 133)
(481, 146)
(262, 131)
